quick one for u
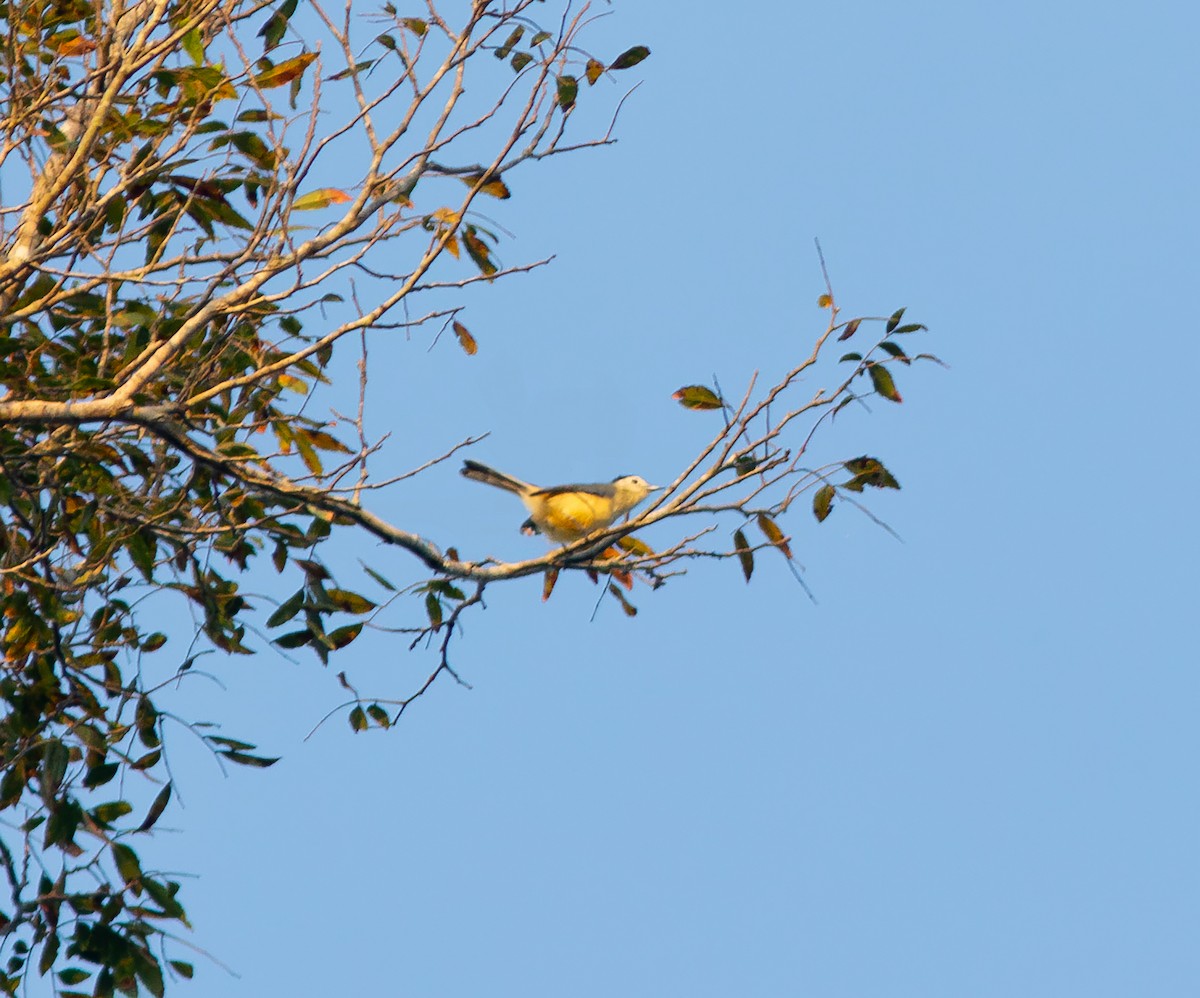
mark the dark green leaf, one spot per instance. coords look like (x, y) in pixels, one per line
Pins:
(849, 356)
(156, 809)
(99, 775)
(433, 607)
(895, 350)
(49, 954)
(358, 719)
(630, 57)
(745, 555)
(287, 609)
(55, 756)
(294, 639)
(182, 968)
(243, 759)
(379, 715)
(73, 975)
(894, 321)
(520, 60)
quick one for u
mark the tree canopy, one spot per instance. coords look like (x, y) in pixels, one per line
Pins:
(203, 201)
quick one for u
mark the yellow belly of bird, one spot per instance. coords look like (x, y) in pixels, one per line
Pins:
(571, 515)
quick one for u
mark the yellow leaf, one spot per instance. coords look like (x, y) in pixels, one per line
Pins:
(771, 529)
(293, 384)
(636, 547)
(824, 301)
(308, 453)
(465, 339)
(322, 198)
(446, 216)
(595, 69)
(75, 45)
(285, 72)
(326, 441)
(452, 246)
(494, 186)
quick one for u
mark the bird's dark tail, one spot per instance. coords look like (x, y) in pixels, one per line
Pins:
(490, 476)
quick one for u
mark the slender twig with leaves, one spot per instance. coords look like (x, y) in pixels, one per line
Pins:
(203, 202)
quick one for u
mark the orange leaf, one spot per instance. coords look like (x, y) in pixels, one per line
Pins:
(285, 72)
(465, 339)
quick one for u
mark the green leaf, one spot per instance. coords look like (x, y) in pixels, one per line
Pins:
(182, 968)
(416, 26)
(379, 715)
(567, 90)
(698, 397)
(520, 60)
(193, 45)
(99, 775)
(244, 759)
(127, 863)
(272, 32)
(164, 896)
(517, 33)
(287, 610)
(541, 36)
(433, 607)
(869, 471)
(894, 321)
(342, 636)
(358, 719)
(823, 502)
(55, 756)
(849, 356)
(156, 809)
(630, 57)
(881, 378)
(106, 814)
(378, 578)
(895, 350)
(150, 974)
(911, 327)
(73, 975)
(745, 555)
(343, 599)
(49, 954)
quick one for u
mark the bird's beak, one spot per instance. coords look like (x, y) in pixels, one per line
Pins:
(654, 488)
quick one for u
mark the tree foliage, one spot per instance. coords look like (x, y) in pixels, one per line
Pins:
(191, 188)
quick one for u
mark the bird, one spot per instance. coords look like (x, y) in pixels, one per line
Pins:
(565, 513)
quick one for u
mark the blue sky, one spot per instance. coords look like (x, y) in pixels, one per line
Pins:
(970, 768)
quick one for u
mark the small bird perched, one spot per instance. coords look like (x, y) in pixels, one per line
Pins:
(565, 513)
